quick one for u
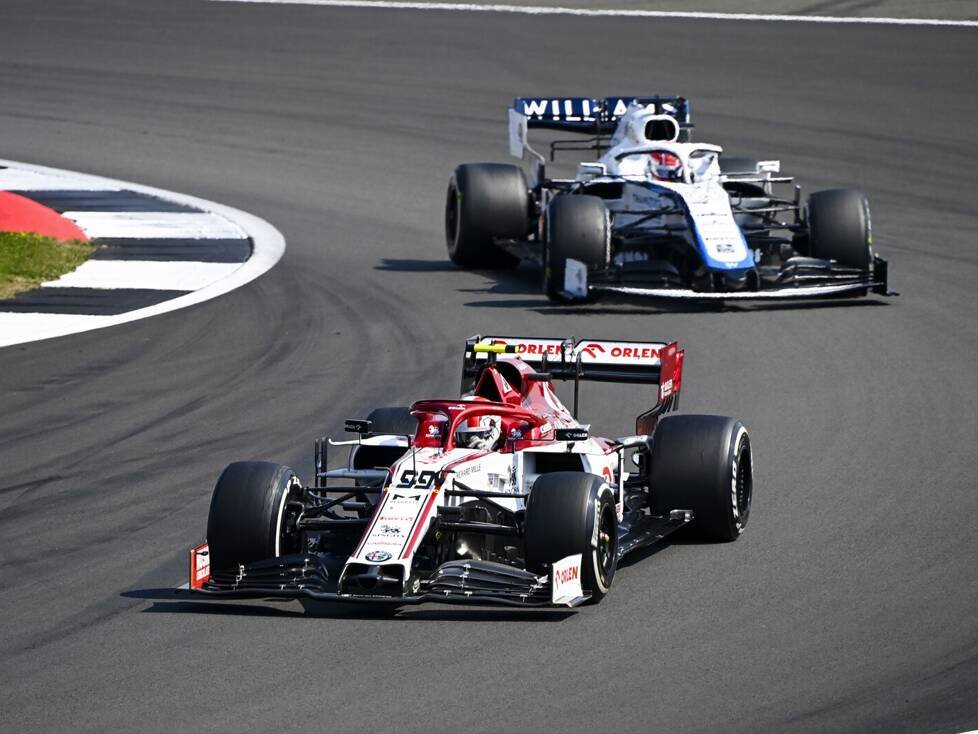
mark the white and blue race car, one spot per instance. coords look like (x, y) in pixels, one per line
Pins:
(656, 214)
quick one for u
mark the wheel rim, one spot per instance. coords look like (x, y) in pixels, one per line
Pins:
(744, 488)
(607, 549)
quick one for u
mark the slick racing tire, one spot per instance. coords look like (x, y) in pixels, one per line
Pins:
(703, 463)
(485, 201)
(569, 513)
(839, 227)
(248, 519)
(579, 228)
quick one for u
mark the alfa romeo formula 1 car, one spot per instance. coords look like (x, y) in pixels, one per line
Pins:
(656, 214)
(499, 496)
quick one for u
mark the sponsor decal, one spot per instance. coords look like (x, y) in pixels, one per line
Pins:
(573, 109)
(200, 566)
(665, 389)
(566, 580)
(515, 433)
(389, 530)
(377, 556)
(566, 575)
(470, 469)
(572, 434)
(634, 352)
(434, 431)
(402, 498)
(411, 478)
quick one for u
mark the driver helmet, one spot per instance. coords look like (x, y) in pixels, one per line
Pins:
(666, 166)
(479, 433)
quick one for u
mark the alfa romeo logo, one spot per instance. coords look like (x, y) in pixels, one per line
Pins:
(378, 556)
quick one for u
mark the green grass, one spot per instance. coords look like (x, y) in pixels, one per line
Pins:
(28, 259)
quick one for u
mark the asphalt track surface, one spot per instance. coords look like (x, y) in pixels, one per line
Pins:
(850, 603)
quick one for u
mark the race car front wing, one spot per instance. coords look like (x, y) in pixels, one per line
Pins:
(462, 581)
(809, 279)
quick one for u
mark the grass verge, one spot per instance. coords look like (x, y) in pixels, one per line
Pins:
(26, 260)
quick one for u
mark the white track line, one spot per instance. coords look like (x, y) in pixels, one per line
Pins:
(611, 13)
(269, 246)
(144, 274)
(18, 328)
(22, 179)
(177, 225)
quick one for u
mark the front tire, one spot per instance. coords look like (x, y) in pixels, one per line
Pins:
(703, 463)
(247, 520)
(569, 513)
(839, 227)
(485, 201)
(579, 228)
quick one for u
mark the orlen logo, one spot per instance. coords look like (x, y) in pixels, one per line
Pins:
(595, 351)
(566, 575)
(592, 350)
(531, 348)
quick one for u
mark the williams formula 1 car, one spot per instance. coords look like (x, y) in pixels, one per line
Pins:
(656, 215)
(500, 496)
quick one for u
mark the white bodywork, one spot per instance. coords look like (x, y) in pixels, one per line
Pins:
(407, 508)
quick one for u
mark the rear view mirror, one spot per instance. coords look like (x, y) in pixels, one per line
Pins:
(357, 425)
(572, 434)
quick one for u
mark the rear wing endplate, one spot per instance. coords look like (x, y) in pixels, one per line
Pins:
(597, 360)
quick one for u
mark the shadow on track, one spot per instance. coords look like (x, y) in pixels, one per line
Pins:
(415, 265)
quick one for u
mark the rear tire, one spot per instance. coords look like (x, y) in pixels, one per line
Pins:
(839, 227)
(561, 513)
(247, 519)
(485, 201)
(703, 463)
(579, 228)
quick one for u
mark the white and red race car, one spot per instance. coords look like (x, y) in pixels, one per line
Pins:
(500, 496)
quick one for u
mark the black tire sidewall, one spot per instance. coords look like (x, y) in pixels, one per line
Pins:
(577, 227)
(485, 201)
(839, 227)
(244, 521)
(696, 464)
(561, 521)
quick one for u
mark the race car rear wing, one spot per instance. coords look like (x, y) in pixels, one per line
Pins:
(598, 360)
(597, 117)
